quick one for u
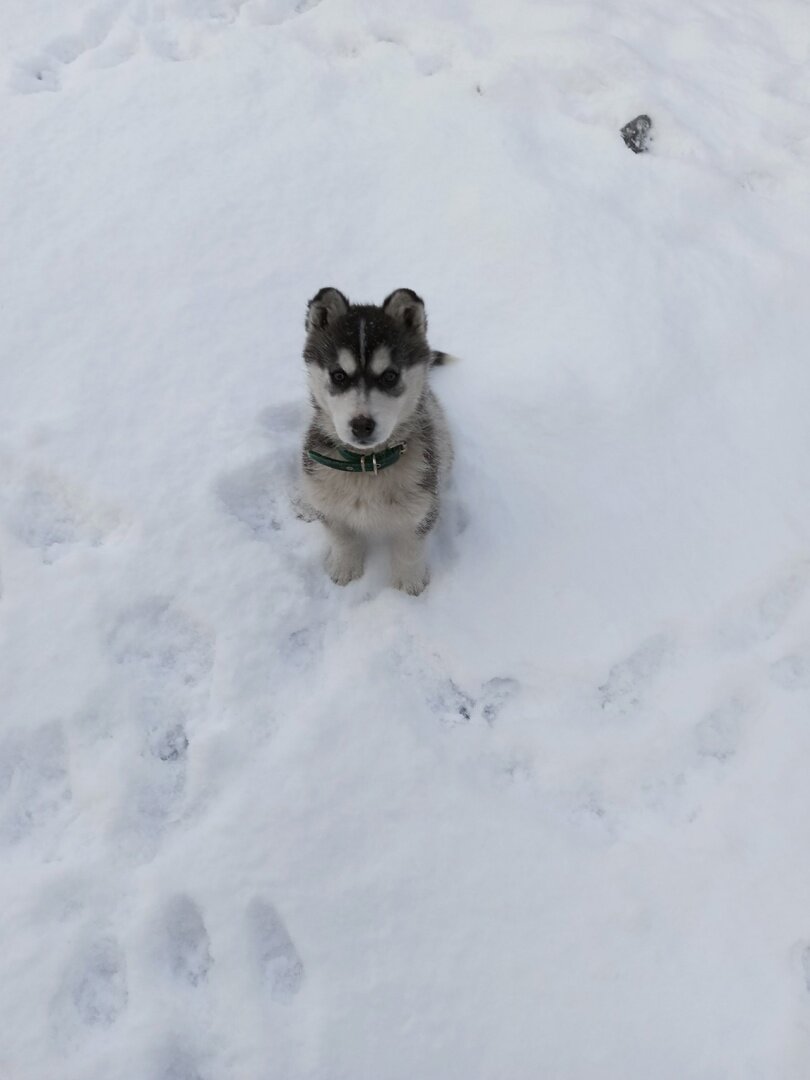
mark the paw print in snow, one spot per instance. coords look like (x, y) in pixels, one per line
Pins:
(495, 693)
(162, 642)
(791, 672)
(453, 705)
(450, 703)
(94, 988)
(34, 779)
(276, 956)
(628, 679)
(718, 734)
(252, 496)
(188, 947)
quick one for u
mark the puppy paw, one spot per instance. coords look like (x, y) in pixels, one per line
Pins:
(412, 583)
(343, 567)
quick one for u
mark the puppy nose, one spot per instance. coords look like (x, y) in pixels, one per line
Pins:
(362, 427)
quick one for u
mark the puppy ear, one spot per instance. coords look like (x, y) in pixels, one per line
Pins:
(406, 308)
(324, 307)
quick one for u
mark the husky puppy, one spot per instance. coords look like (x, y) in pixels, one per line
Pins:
(378, 447)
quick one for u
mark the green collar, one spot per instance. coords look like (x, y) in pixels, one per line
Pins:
(365, 463)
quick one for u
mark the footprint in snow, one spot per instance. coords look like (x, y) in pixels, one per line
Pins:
(302, 648)
(155, 788)
(171, 656)
(179, 33)
(94, 987)
(46, 71)
(151, 799)
(589, 814)
(65, 899)
(40, 73)
(456, 706)
(177, 1063)
(628, 679)
(761, 619)
(276, 957)
(34, 779)
(173, 41)
(495, 693)
(115, 31)
(262, 494)
(479, 709)
(451, 703)
(170, 743)
(678, 795)
(805, 966)
(275, 12)
(46, 514)
(187, 945)
(791, 672)
(718, 734)
(253, 496)
(163, 643)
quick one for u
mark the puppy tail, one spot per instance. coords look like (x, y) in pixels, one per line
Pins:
(442, 359)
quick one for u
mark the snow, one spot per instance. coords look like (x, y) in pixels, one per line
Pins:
(550, 819)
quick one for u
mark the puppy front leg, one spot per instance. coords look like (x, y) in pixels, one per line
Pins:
(409, 569)
(347, 554)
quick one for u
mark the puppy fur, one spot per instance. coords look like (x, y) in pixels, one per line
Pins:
(368, 368)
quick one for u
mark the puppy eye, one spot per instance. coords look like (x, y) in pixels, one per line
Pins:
(338, 377)
(389, 378)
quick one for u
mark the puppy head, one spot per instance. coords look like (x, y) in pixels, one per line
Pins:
(366, 364)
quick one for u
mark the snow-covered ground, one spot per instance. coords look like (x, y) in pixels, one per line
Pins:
(552, 818)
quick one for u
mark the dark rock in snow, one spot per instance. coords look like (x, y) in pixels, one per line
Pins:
(636, 134)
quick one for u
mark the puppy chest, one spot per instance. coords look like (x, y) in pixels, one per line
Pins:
(388, 502)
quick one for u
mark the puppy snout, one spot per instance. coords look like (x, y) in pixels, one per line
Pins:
(363, 427)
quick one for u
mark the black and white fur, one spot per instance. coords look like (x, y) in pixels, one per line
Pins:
(368, 368)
